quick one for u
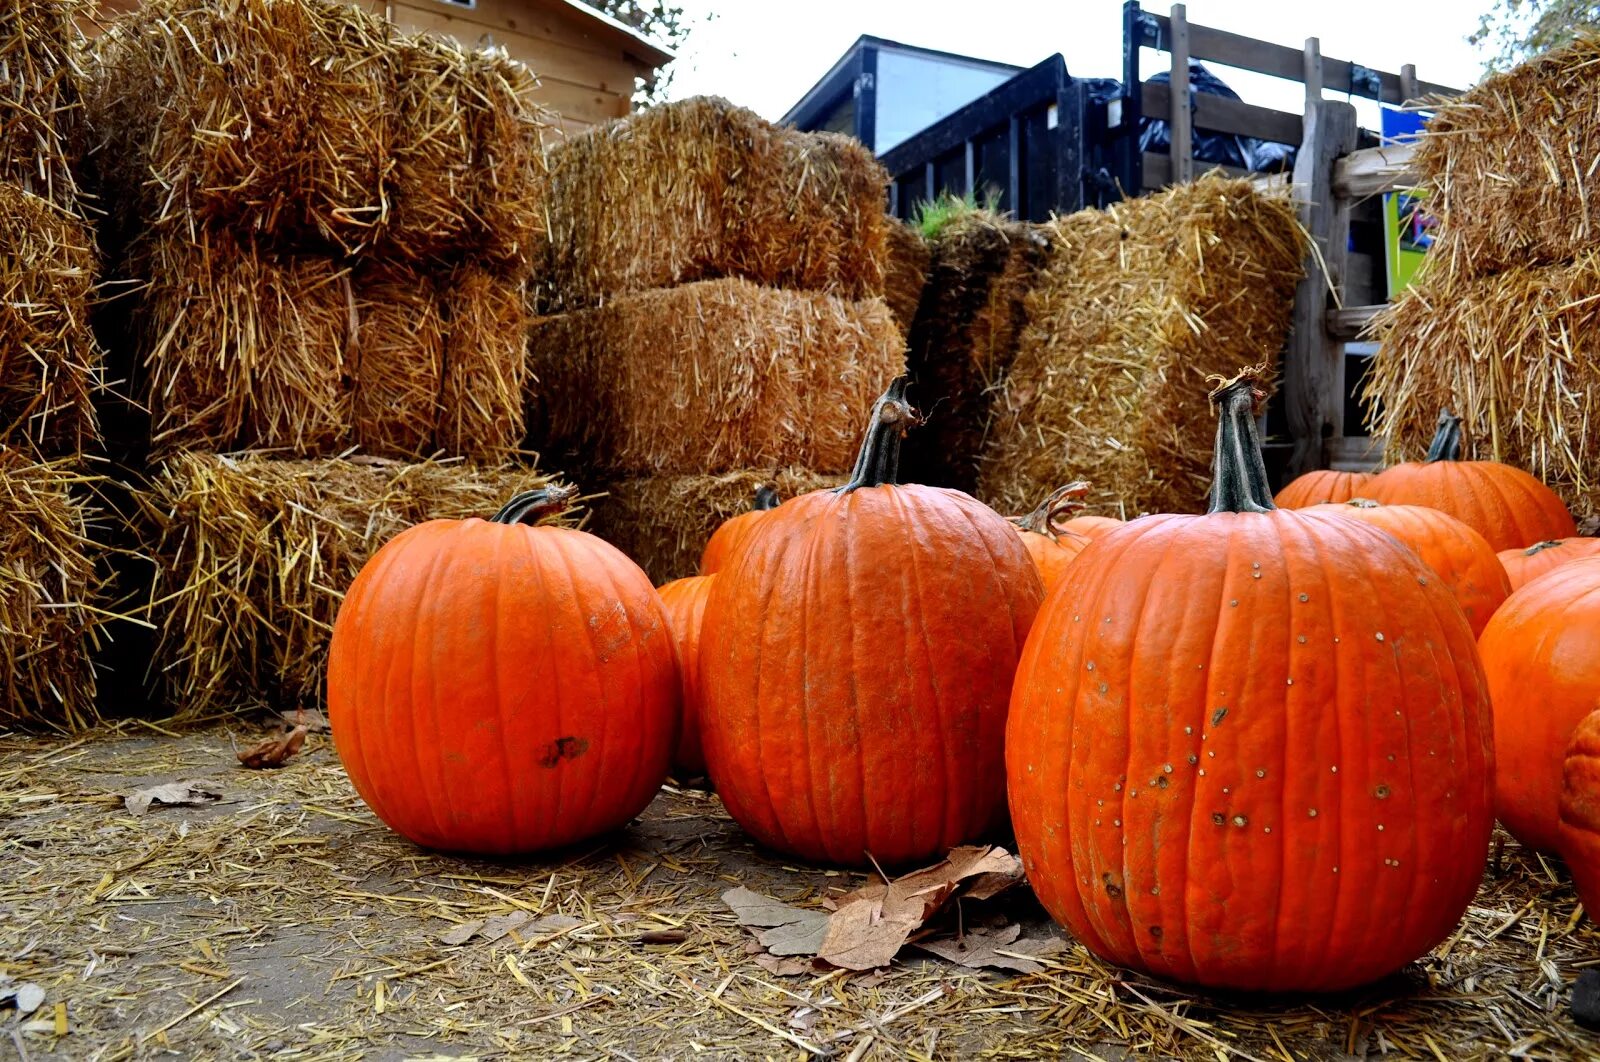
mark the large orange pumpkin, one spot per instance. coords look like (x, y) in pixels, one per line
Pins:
(1052, 547)
(685, 601)
(856, 661)
(1525, 565)
(1089, 526)
(733, 530)
(1251, 750)
(1322, 487)
(1580, 812)
(497, 688)
(1457, 554)
(1541, 652)
(1502, 503)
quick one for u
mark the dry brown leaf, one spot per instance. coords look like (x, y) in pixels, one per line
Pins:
(781, 967)
(310, 718)
(997, 949)
(861, 936)
(273, 752)
(173, 794)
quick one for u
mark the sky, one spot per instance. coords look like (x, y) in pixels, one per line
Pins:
(765, 55)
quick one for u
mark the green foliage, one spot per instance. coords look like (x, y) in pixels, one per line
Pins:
(662, 22)
(934, 217)
(1521, 29)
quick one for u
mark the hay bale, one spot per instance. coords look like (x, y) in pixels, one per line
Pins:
(51, 595)
(699, 189)
(664, 522)
(981, 268)
(905, 273)
(1515, 354)
(485, 364)
(1508, 167)
(711, 377)
(49, 360)
(1136, 305)
(254, 555)
(397, 361)
(40, 107)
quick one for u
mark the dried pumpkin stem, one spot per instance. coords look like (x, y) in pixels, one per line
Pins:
(1446, 445)
(879, 461)
(766, 498)
(1240, 484)
(531, 506)
(1061, 504)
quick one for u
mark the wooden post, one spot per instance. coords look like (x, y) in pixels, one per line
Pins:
(1313, 71)
(1180, 129)
(1313, 371)
(1408, 84)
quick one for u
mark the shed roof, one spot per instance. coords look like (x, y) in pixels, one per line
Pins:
(639, 45)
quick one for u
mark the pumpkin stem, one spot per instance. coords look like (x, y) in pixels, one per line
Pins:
(878, 464)
(1061, 504)
(1363, 503)
(1540, 547)
(1239, 482)
(766, 498)
(531, 506)
(1446, 445)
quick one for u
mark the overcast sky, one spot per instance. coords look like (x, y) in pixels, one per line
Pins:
(765, 55)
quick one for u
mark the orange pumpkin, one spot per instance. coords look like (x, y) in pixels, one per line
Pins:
(734, 530)
(1456, 553)
(1541, 652)
(1053, 549)
(1228, 725)
(496, 688)
(1502, 503)
(856, 660)
(1089, 526)
(1322, 487)
(1580, 812)
(1525, 565)
(685, 601)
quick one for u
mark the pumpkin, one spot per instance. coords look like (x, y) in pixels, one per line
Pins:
(496, 688)
(1580, 812)
(1322, 487)
(856, 661)
(1089, 526)
(1502, 503)
(1456, 553)
(733, 531)
(685, 601)
(1525, 565)
(1052, 549)
(1541, 652)
(1250, 750)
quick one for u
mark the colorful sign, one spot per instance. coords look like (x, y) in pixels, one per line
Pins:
(1407, 228)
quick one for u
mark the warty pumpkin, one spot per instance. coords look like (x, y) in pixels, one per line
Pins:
(1051, 546)
(498, 688)
(685, 601)
(1322, 487)
(1458, 555)
(1541, 652)
(1501, 502)
(1250, 750)
(1525, 565)
(733, 530)
(856, 660)
(1580, 812)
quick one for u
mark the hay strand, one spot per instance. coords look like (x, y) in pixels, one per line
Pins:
(485, 364)
(397, 360)
(905, 273)
(40, 106)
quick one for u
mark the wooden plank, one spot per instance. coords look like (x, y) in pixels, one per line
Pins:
(1312, 63)
(1373, 170)
(1218, 114)
(580, 102)
(1313, 371)
(1180, 134)
(546, 57)
(1349, 322)
(552, 22)
(1356, 453)
(1408, 83)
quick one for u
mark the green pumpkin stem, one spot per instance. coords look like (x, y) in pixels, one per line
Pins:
(1240, 476)
(878, 464)
(531, 506)
(1446, 445)
(766, 498)
(1062, 503)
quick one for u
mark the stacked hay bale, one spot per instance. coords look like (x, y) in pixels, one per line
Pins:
(906, 273)
(1136, 305)
(1501, 324)
(713, 317)
(331, 226)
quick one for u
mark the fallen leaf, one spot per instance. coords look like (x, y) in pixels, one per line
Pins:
(785, 930)
(995, 949)
(860, 936)
(498, 926)
(310, 718)
(753, 909)
(173, 794)
(459, 935)
(273, 752)
(781, 967)
(492, 929)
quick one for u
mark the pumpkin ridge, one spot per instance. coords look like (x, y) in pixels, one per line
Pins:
(421, 648)
(929, 671)
(493, 631)
(557, 685)
(356, 741)
(809, 569)
(603, 784)
(770, 810)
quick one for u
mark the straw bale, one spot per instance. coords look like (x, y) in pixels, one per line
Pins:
(1515, 354)
(982, 267)
(243, 348)
(711, 377)
(51, 595)
(905, 273)
(664, 522)
(40, 106)
(253, 556)
(485, 364)
(49, 360)
(1136, 305)
(1509, 167)
(397, 360)
(699, 189)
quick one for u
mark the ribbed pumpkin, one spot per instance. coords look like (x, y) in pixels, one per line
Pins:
(1525, 565)
(1051, 546)
(685, 601)
(856, 660)
(1090, 526)
(1580, 812)
(733, 530)
(1322, 487)
(496, 688)
(1456, 553)
(1502, 503)
(1250, 750)
(1541, 652)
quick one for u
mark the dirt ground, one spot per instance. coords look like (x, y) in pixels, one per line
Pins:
(284, 921)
